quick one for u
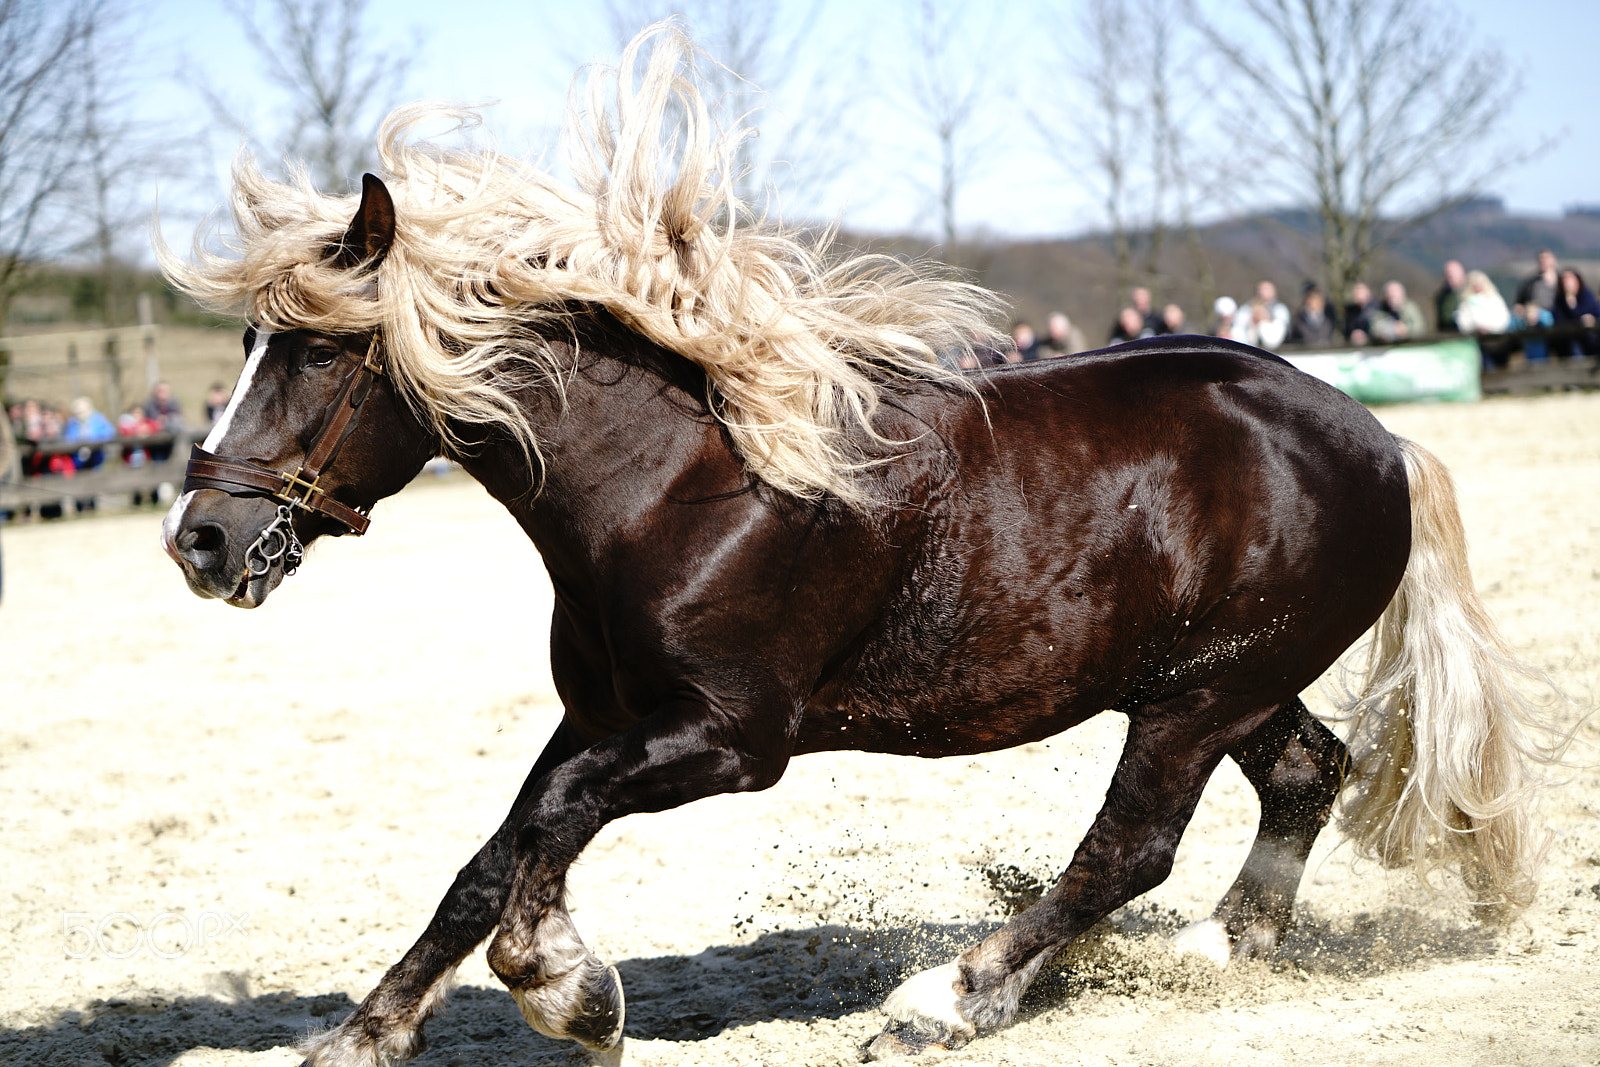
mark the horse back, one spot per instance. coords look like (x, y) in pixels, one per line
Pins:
(1120, 527)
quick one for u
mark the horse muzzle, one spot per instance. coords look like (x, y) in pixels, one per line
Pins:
(232, 549)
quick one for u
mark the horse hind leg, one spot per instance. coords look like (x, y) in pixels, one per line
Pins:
(1297, 767)
(1169, 754)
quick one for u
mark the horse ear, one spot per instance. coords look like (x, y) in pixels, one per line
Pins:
(371, 232)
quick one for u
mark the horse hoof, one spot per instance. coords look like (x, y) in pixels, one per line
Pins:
(908, 1039)
(598, 1015)
(583, 1005)
(1207, 939)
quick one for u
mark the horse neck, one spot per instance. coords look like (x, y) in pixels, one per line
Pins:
(631, 423)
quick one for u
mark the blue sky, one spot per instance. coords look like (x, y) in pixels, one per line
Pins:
(524, 55)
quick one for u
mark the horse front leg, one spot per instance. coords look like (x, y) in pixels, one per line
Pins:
(1170, 752)
(387, 1027)
(679, 754)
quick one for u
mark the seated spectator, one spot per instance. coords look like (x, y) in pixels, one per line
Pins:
(1264, 322)
(1062, 338)
(1130, 326)
(1173, 320)
(1449, 296)
(88, 427)
(1397, 317)
(1312, 324)
(1480, 309)
(1358, 315)
(163, 407)
(1024, 344)
(1540, 288)
(217, 398)
(1575, 308)
(1222, 312)
(1531, 316)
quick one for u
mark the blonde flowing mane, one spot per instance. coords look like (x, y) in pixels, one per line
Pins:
(489, 249)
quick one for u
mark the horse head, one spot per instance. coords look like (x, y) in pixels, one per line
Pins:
(314, 435)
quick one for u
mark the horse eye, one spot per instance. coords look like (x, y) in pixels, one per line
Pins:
(320, 354)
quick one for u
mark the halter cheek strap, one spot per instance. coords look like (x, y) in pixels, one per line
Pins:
(301, 488)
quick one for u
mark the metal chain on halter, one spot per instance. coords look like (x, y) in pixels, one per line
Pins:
(277, 542)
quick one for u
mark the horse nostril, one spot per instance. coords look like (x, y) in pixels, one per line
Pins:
(203, 545)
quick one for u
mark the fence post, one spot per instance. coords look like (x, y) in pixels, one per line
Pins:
(113, 379)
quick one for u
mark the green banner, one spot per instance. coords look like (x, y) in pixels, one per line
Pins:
(1441, 370)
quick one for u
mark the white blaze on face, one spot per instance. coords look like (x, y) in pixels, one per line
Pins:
(214, 439)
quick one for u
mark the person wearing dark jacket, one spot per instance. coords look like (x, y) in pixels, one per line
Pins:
(1575, 307)
(1312, 325)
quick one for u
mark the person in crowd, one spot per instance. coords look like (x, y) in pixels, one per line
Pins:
(1223, 310)
(1141, 302)
(1397, 317)
(1480, 309)
(1449, 296)
(1576, 308)
(1531, 316)
(1358, 315)
(1130, 326)
(164, 408)
(1312, 325)
(1264, 322)
(1062, 337)
(1540, 288)
(89, 428)
(217, 398)
(1173, 320)
(1024, 344)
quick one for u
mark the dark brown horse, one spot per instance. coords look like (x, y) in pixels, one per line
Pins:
(1185, 531)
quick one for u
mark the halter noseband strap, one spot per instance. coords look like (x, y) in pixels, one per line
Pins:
(246, 477)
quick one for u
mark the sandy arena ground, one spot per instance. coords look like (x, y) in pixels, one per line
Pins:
(220, 827)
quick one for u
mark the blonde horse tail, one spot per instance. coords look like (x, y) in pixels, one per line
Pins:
(1450, 755)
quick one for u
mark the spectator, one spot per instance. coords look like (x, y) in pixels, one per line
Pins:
(1222, 312)
(1358, 315)
(1130, 326)
(1449, 296)
(1312, 324)
(1397, 318)
(135, 423)
(1264, 322)
(1062, 338)
(1480, 309)
(1173, 320)
(1139, 301)
(1531, 316)
(1540, 289)
(87, 427)
(1576, 308)
(216, 401)
(163, 407)
(1024, 344)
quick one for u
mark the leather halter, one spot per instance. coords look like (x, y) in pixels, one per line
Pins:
(300, 489)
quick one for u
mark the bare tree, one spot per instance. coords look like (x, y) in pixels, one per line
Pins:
(41, 106)
(952, 90)
(1377, 112)
(122, 155)
(1138, 129)
(319, 55)
(764, 73)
